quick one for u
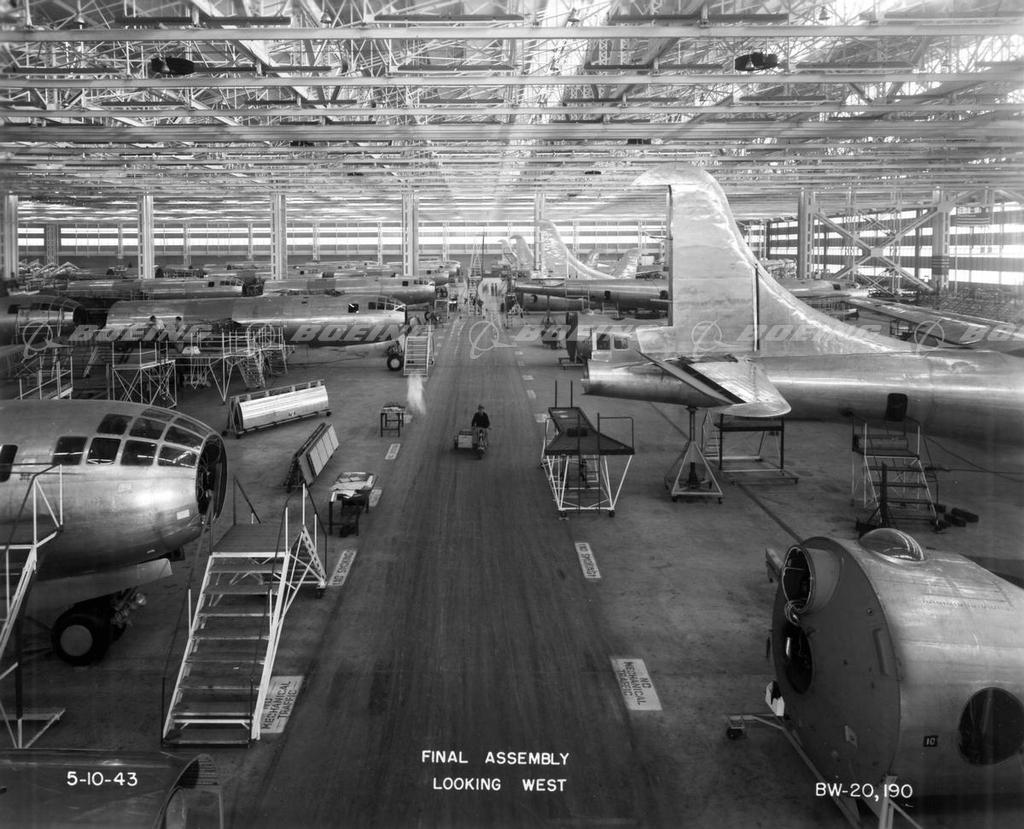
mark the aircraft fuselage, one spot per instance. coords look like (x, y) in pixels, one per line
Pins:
(969, 395)
(131, 481)
(622, 293)
(305, 320)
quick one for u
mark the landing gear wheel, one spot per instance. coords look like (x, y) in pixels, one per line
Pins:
(394, 362)
(81, 636)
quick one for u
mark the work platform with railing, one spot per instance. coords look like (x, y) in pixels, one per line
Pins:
(577, 456)
(259, 352)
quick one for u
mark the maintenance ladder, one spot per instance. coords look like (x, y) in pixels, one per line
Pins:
(20, 560)
(892, 482)
(252, 577)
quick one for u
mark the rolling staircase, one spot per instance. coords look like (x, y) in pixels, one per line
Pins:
(419, 353)
(253, 575)
(39, 520)
(889, 479)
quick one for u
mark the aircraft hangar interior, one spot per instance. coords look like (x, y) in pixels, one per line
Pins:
(506, 414)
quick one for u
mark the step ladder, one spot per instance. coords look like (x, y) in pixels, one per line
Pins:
(253, 575)
(889, 478)
(250, 367)
(276, 362)
(476, 264)
(40, 518)
(419, 353)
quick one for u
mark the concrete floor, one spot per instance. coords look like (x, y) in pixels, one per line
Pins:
(466, 626)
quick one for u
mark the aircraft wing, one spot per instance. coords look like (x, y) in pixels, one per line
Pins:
(742, 387)
(934, 324)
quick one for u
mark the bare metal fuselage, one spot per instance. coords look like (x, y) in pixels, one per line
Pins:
(621, 293)
(969, 395)
(306, 320)
(126, 497)
(410, 292)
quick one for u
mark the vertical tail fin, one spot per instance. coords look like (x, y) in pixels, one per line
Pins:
(721, 300)
(557, 259)
(626, 267)
(522, 252)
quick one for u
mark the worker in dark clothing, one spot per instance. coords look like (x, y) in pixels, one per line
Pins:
(481, 424)
(480, 419)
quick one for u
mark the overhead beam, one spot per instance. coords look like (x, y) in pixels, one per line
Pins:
(458, 111)
(406, 80)
(1007, 129)
(760, 31)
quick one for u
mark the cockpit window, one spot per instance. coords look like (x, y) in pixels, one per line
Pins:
(603, 342)
(7, 453)
(176, 434)
(113, 424)
(69, 451)
(138, 453)
(103, 450)
(146, 427)
(173, 456)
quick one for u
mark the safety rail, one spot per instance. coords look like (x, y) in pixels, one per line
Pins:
(50, 383)
(14, 593)
(257, 351)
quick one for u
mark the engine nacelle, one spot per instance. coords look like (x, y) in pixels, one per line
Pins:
(896, 662)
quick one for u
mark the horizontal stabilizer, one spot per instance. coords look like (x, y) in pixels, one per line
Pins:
(742, 388)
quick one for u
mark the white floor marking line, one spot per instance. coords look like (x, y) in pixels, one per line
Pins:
(392, 451)
(635, 684)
